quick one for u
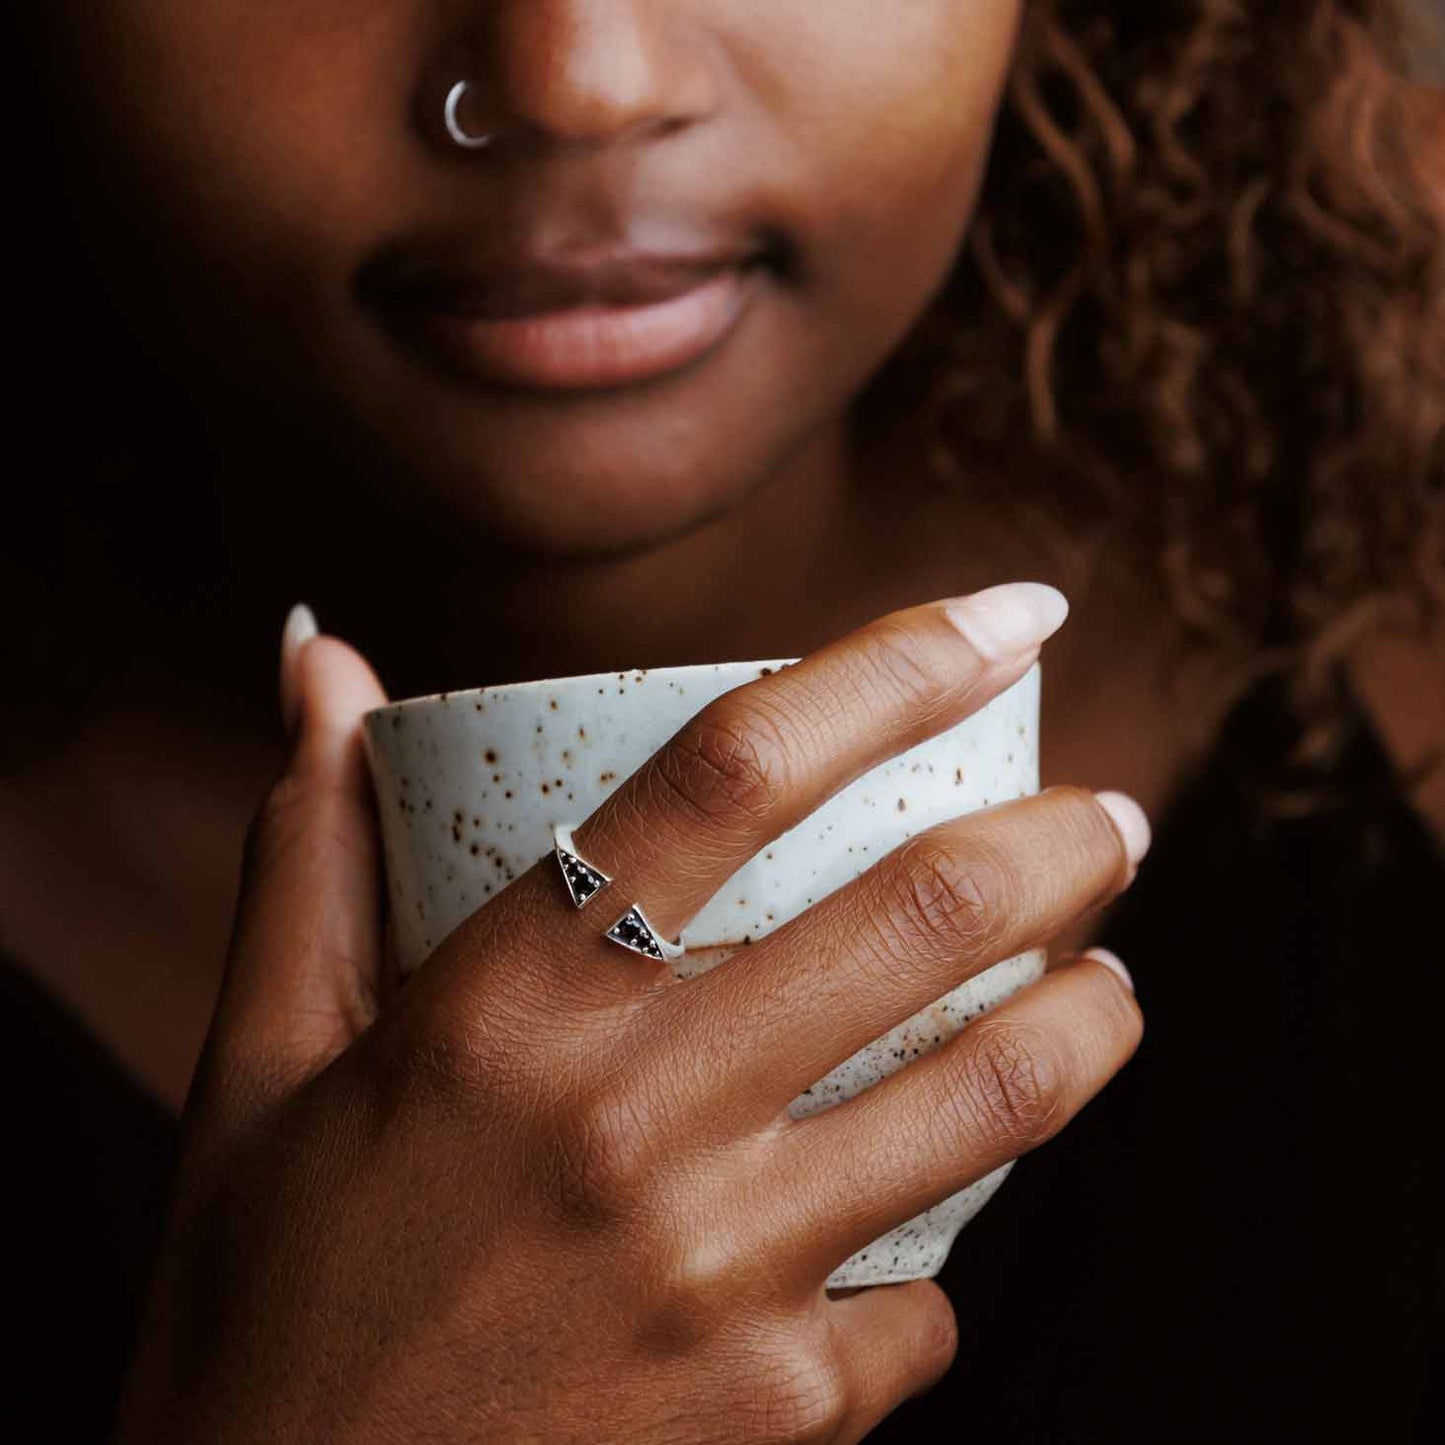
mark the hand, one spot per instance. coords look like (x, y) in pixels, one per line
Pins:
(550, 1193)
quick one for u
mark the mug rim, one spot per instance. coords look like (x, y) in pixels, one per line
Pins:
(590, 679)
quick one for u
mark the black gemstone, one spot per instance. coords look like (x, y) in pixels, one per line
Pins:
(583, 881)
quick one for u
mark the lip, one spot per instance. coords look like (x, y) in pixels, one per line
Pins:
(573, 323)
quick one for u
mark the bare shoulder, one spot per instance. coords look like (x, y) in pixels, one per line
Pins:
(1398, 674)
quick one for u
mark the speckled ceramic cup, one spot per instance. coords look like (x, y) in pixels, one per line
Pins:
(470, 784)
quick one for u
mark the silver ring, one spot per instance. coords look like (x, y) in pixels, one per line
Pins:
(461, 137)
(635, 933)
(584, 881)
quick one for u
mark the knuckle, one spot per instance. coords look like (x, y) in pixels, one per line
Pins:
(949, 894)
(277, 819)
(1013, 1085)
(802, 1397)
(725, 765)
(1117, 1005)
(1090, 829)
(299, 811)
(897, 661)
(595, 1163)
(1118, 1023)
(693, 1281)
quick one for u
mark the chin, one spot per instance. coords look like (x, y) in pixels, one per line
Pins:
(538, 508)
(587, 519)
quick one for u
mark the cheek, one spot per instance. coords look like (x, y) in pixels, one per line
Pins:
(896, 123)
(221, 126)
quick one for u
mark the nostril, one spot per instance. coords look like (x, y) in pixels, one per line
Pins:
(570, 74)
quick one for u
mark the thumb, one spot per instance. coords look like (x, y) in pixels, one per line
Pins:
(303, 971)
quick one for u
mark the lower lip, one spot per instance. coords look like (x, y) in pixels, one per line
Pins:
(593, 346)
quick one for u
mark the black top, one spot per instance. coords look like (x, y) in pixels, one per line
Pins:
(1239, 1240)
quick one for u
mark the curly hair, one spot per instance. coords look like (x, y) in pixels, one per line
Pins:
(1204, 303)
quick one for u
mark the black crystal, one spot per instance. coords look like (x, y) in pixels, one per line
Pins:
(583, 880)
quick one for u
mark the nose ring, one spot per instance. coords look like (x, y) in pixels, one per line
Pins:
(460, 136)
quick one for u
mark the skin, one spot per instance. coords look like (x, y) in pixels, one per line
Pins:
(245, 166)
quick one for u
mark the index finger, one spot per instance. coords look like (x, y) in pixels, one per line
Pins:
(763, 757)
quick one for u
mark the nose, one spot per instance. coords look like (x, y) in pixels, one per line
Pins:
(578, 72)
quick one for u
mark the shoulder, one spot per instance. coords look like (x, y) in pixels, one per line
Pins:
(1398, 674)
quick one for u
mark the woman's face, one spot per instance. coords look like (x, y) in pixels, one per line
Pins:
(282, 197)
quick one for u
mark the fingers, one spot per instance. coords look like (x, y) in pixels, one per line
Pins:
(761, 758)
(303, 967)
(892, 1343)
(748, 767)
(938, 910)
(1005, 1084)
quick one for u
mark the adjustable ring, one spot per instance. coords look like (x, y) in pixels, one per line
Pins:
(585, 881)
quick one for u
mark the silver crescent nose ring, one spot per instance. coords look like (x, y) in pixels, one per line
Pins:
(459, 135)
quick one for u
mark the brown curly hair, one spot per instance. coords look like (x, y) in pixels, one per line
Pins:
(1205, 297)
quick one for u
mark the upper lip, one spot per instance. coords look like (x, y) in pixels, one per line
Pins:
(532, 283)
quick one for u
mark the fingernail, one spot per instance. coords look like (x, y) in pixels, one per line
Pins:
(1113, 963)
(300, 628)
(1006, 623)
(1129, 818)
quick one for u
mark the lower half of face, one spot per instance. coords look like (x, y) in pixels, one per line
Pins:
(697, 231)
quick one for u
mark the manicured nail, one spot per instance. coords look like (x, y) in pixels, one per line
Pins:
(1129, 819)
(1113, 963)
(300, 628)
(1006, 623)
